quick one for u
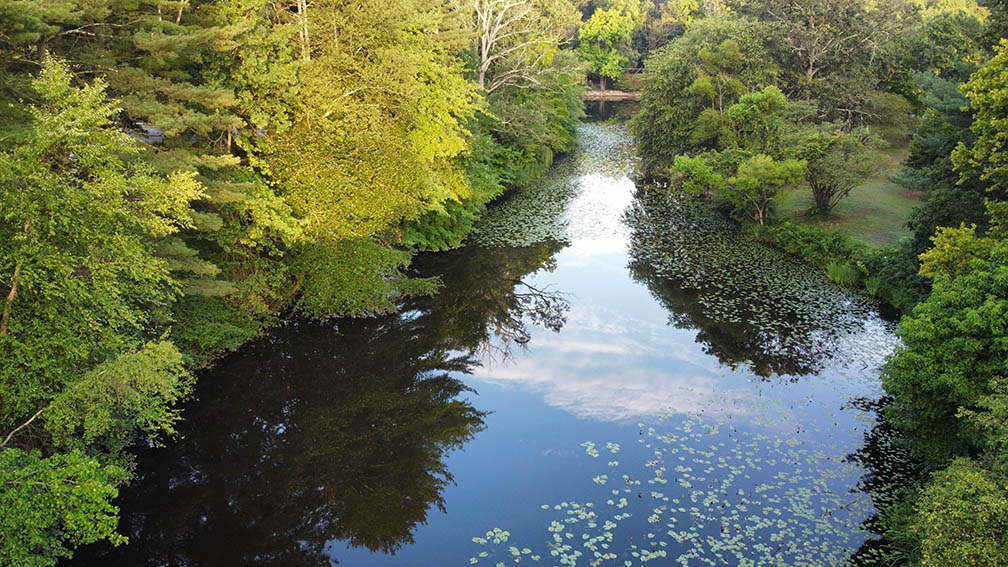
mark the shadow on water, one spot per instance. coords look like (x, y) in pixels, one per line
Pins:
(891, 474)
(335, 431)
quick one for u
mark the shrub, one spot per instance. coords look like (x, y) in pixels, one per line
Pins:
(873, 285)
(842, 273)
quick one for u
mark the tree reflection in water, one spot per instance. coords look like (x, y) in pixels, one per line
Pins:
(335, 431)
(892, 474)
(751, 306)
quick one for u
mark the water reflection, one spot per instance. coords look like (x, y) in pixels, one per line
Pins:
(328, 436)
(752, 307)
(892, 473)
(323, 436)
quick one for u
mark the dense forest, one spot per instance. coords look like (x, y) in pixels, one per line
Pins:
(177, 174)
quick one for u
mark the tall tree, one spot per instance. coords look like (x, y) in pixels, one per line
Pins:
(828, 49)
(605, 43)
(377, 127)
(79, 218)
(80, 221)
(515, 39)
(838, 160)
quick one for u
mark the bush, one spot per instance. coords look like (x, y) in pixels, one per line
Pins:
(891, 273)
(811, 243)
(842, 273)
(962, 517)
(873, 285)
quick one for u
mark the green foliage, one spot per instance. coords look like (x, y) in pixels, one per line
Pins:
(134, 393)
(838, 161)
(947, 43)
(208, 326)
(51, 503)
(945, 206)
(679, 85)
(953, 347)
(697, 176)
(953, 253)
(757, 121)
(962, 517)
(890, 272)
(758, 181)
(873, 285)
(78, 223)
(842, 273)
(833, 51)
(605, 42)
(354, 277)
(815, 245)
(512, 144)
(987, 156)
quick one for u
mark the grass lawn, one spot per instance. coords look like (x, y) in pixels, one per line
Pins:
(873, 212)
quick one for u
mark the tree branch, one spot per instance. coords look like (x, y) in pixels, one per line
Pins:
(23, 425)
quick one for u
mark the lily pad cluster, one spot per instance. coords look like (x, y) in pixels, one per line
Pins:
(536, 212)
(752, 305)
(704, 492)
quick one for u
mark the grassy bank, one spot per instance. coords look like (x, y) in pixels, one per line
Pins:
(874, 213)
(859, 243)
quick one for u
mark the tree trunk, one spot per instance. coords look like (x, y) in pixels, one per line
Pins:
(602, 82)
(13, 291)
(10, 299)
(302, 8)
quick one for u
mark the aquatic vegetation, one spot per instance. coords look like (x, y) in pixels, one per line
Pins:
(702, 491)
(753, 305)
(873, 285)
(842, 273)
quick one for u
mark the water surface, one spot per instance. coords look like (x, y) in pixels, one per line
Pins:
(608, 377)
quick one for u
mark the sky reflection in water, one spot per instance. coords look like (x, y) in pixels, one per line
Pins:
(294, 453)
(616, 369)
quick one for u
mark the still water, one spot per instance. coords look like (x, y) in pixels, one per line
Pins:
(608, 377)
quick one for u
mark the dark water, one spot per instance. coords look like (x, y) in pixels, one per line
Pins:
(606, 378)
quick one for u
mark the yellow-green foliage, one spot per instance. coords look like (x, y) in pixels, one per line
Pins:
(962, 517)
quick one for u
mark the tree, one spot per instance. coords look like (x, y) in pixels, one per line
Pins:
(675, 93)
(838, 161)
(79, 224)
(758, 181)
(54, 502)
(515, 39)
(698, 176)
(79, 219)
(757, 122)
(988, 154)
(954, 343)
(962, 517)
(376, 134)
(605, 43)
(827, 49)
